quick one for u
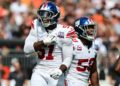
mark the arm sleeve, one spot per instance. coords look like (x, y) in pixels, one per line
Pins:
(67, 51)
(28, 47)
(67, 46)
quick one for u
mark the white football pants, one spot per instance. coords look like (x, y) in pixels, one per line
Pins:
(42, 78)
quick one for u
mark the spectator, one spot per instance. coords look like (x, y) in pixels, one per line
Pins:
(11, 26)
(4, 72)
(69, 7)
(69, 19)
(19, 75)
(27, 2)
(61, 7)
(36, 3)
(18, 7)
(113, 53)
(25, 31)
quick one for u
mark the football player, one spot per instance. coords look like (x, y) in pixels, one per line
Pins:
(53, 44)
(83, 67)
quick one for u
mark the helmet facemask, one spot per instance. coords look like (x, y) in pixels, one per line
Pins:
(46, 17)
(88, 32)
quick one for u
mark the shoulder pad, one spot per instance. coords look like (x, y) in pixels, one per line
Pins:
(71, 33)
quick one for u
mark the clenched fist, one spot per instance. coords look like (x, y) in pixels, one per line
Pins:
(38, 45)
(45, 42)
(55, 73)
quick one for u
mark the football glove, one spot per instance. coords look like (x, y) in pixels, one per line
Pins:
(38, 45)
(55, 73)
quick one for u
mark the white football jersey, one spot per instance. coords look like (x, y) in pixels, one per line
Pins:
(51, 56)
(82, 61)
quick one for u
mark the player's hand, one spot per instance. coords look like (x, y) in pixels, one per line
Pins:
(55, 73)
(38, 45)
(49, 40)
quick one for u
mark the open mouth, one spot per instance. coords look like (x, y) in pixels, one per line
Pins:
(46, 20)
(90, 31)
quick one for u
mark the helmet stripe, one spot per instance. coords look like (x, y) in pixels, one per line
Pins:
(45, 4)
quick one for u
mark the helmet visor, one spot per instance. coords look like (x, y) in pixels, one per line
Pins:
(45, 14)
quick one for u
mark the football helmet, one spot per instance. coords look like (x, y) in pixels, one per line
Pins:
(85, 28)
(48, 13)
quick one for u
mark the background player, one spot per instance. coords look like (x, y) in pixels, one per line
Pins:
(53, 44)
(83, 65)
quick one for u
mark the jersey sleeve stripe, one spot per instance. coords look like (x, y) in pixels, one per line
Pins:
(71, 34)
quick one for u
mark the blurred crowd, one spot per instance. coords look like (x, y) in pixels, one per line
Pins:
(16, 17)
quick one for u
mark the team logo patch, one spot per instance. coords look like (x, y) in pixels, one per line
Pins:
(79, 48)
(61, 34)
